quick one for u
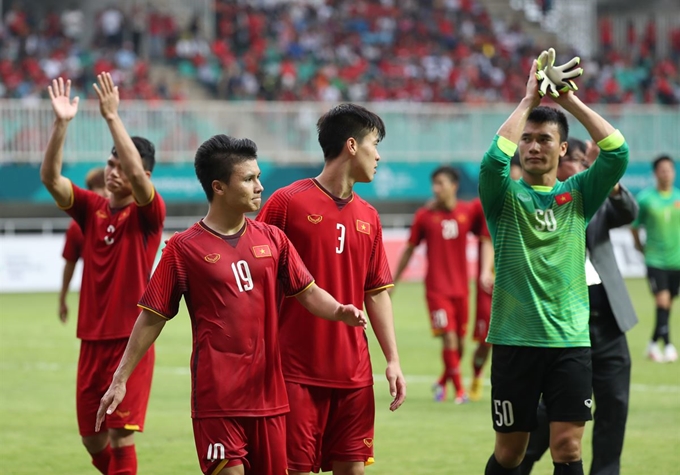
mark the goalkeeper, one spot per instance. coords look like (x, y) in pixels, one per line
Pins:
(540, 312)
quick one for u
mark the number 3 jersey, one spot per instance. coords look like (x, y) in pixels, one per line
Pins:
(340, 241)
(230, 285)
(540, 297)
(118, 252)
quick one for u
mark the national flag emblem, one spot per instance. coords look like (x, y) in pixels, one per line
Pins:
(262, 251)
(363, 227)
(677, 204)
(212, 258)
(563, 198)
(101, 214)
(314, 218)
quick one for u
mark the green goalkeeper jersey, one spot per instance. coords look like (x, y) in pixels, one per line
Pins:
(660, 216)
(540, 297)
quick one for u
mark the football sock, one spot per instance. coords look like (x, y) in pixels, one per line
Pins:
(102, 459)
(123, 461)
(661, 329)
(452, 365)
(494, 468)
(571, 468)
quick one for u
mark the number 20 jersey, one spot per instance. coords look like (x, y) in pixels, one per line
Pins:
(230, 292)
(340, 242)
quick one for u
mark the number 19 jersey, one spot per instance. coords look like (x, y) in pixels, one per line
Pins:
(540, 297)
(340, 242)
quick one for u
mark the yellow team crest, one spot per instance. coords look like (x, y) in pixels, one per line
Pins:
(212, 258)
(314, 218)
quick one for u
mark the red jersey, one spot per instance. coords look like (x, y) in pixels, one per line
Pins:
(73, 245)
(340, 241)
(229, 284)
(445, 233)
(119, 250)
(483, 233)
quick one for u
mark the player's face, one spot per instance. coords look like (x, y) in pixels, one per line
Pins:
(540, 148)
(443, 188)
(665, 174)
(366, 158)
(116, 181)
(244, 190)
(570, 165)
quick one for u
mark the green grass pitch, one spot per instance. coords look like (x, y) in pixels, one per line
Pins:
(37, 409)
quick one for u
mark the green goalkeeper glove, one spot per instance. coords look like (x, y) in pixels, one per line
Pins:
(556, 79)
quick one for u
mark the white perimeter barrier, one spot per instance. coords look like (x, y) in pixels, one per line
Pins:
(33, 262)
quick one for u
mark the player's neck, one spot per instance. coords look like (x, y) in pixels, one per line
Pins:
(663, 189)
(336, 181)
(223, 221)
(539, 180)
(117, 201)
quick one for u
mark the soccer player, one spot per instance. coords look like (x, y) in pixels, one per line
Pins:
(327, 366)
(444, 225)
(73, 244)
(121, 237)
(229, 270)
(540, 311)
(660, 216)
(611, 315)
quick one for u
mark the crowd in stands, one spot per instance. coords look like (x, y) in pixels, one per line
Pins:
(35, 49)
(356, 50)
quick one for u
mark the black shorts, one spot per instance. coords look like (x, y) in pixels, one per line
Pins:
(664, 279)
(521, 374)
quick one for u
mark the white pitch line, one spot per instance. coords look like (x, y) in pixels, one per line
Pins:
(410, 379)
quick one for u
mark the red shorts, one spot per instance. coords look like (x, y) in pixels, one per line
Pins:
(97, 362)
(328, 424)
(257, 443)
(483, 315)
(448, 314)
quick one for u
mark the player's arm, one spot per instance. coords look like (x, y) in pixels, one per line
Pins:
(486, 276)
(64, 109)
(403, 261)
(620, 208)
(67, 276)
(638, 222)
(130, 160)
(379, 308)
(512, 128)
(322, 304)
(636, 239)
(146, 330)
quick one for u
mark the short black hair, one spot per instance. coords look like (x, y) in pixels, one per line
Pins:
(345, 121)
(574, 144)
(216, 157)
(447, 170)
(661, 158)
(146, 150)
(543, 115)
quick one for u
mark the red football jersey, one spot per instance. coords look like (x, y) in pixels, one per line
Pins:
(230, 289)
(483, 232)
(340, 241)
(445, 233)
(119, 249)
(73, 244)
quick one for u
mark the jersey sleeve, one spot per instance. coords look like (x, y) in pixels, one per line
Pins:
(81, 202)
(597, 182)
(274, 211)
(639, 220)
(152, 213)
(478, 220)
(167, 285)
(379, 275)
(494, 174)
(292, 272)
(417, 231)
(73, 244)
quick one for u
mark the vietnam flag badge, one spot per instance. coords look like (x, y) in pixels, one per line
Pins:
(363, 227)
(262, 251)
(563, 198)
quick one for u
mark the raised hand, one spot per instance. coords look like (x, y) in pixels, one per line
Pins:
(108, 96)
(60, 95)
(532, 85)
(556, 79)
(109, 402)
(351, 316)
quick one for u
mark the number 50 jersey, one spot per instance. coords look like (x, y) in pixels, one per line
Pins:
(340, 242)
